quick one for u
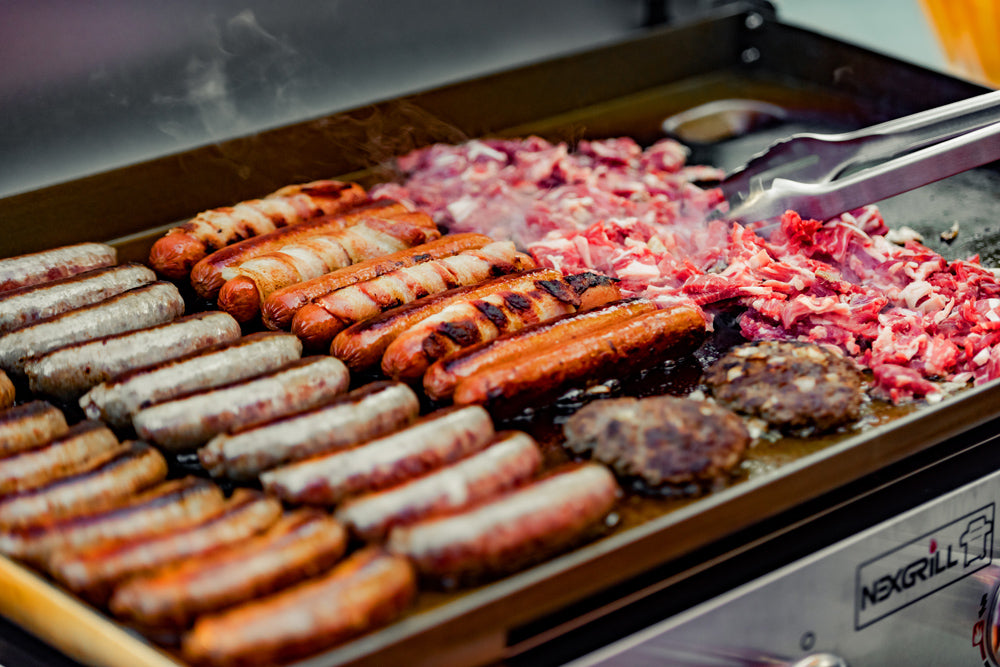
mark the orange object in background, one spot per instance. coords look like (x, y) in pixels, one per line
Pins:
(969, 33)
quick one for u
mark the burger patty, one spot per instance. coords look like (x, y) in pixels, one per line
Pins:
(791, 385)
(665, 443)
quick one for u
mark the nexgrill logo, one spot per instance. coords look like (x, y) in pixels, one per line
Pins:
(916, 569)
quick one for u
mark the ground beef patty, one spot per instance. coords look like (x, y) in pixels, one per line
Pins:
(666, 443)
(791, 385)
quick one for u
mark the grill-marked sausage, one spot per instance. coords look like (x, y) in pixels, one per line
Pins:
(42, 267)
(29, 425)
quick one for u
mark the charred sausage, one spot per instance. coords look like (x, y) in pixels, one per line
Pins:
(176, 253)
(370, 411)
(41, 267)
(29, 425)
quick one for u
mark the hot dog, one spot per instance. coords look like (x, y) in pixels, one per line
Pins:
(183, 246)
(249, 283)
(192, 420)
(367, 590)
(28, 305)
(511, 531)
(442, 376)
(7, 392)
(167, 507)
(92, 572)
(300, 545)
(511, 459)
(135, 309)
(437, 439)
(361, 345)
(206, 276)
(29, 425)
(280, 307)
(85, 446)
(617, 349)
(368, 412)
(132, 469)
(116, 401)
(69, 371)
(463, 324)
(318, 322)
(48, 265)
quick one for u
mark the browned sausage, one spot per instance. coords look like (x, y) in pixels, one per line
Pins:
(206, 276)
(511, 531)
(249, 283)
(362, 345)
(183, 246)
(436, 440)
(615, 350)
(442, 376)
(7, 391)
(511, 459)
(42, 267)
(93, 571)
(29, 425)
(300, 545)
(368, 412)
(280, 307)
(317, 323)
(366, 591)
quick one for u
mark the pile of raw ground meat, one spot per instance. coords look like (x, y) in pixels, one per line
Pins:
(919, 322)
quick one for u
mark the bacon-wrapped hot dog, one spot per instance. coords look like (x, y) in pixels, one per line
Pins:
(190, 421)
(463, 324)
(93, 571)
(29, 425)
(368, 412)
(138, 308)
(248, 284)
(69, 371)
(318, 322)
(362, 345)
(437, 439)
(369, 589)
(615, 350)
(281, 306)
(115, 402)
(183, 246)
(48, 265)
(206, 276)
(300, 545)
(511, 531)
(510, 460)
(28, 305)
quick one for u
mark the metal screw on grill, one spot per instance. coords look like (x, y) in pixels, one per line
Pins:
(753, 21)
(750, 55)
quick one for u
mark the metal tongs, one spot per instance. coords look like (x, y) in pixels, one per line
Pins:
(823, 175)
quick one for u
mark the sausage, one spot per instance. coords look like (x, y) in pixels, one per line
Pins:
(317, 323)
(116, 401)
(137, 308)
(29, 425)
(511, 459)
(615, 350)
(368, 412)
(136, 467)
(249, 283)
(7, 391)
(85, 446)
(176, 253)
(367, 590)
(511, 531)
(300, 545)
(437, 439)
(28, 305)
(92, 572)
(192, 420)
(166, 507)
(41, 267)
(206, 276)
(69, 371)
(280, 307)
(442, 376)
(361, 345)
